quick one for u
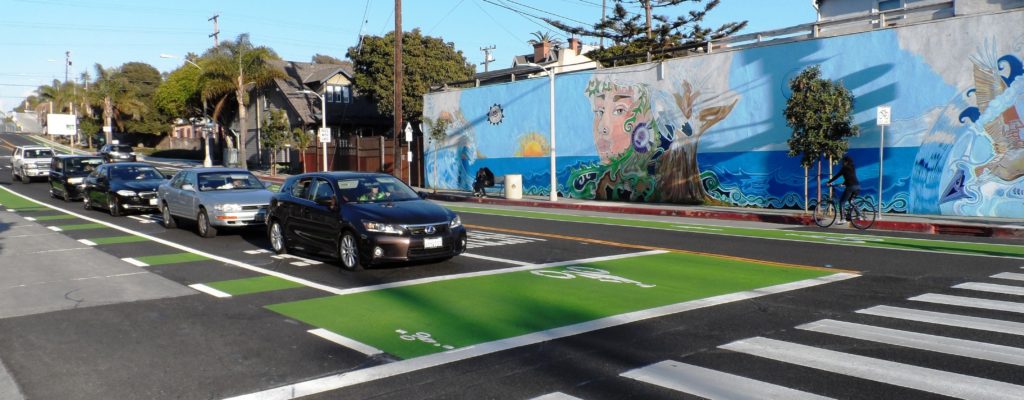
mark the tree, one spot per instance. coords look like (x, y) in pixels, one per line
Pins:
(141, 82)
(180, 94)
(820, 112)
(438, 131)
(655, 35)
(301, 140)
(276, 136)
(233, 68)
(428, 62)
(113, 93)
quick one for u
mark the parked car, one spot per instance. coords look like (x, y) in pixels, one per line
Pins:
(67, 175)
(29, 162)
(117, 152)
(362, 219)
(214, 198)
(120, 187)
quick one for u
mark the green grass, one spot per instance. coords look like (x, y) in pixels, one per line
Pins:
(253, 285)
(470, 311)
(890, 242)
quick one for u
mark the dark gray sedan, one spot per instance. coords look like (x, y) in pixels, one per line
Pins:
(214, 198)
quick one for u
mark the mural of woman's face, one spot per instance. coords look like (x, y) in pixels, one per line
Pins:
(612, 110)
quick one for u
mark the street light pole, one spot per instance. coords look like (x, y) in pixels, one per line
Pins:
(551, 76)
(207, 123)
(323, 119)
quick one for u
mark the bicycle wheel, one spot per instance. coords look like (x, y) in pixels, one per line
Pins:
(863, 214)
(825, 213)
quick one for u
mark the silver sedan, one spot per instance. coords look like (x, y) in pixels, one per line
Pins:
(213, 198)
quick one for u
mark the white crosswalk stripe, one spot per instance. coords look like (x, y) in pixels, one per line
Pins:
(905, 375)
(711, 384)
(972, 302)
(992, 288)
(477, 239)
(955, 320)
(921, 341)
(1009, 275)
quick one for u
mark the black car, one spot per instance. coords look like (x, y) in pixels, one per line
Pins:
(362, 219)
(117, 152)
(122, 186)
(67, 175)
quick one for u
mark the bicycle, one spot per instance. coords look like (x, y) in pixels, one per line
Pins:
(861, 215)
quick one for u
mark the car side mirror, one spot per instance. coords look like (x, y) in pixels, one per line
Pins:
(423, 195)
(188, 187)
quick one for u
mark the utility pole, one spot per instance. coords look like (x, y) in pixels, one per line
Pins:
(397, 164)
(67, 64)
(647, 6)
(216, 31)
(603, 10)
(487, 56)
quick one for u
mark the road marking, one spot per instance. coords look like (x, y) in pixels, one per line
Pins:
(991, 288)
(258, 251)
(711, 384)
(643, 247)
(364, 375)
(86, 242)
(972, 302)
(893, 373)
(301, 261)
(209, 290)
(501, 260)
(1009, 275)
(920, 341)
(954, 320)
(347, 342)
(140, 219)
(477, 239)
(59, 250)
(54, 228)
(556, 396)
(29, 218)
(135, 262)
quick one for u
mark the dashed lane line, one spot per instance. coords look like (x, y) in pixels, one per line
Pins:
(134, 262)
(347, 342)
(209, 290)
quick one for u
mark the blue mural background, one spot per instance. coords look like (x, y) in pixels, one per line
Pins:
(955, 145)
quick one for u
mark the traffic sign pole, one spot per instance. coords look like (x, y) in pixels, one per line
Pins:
(325, 138)
(883, 118)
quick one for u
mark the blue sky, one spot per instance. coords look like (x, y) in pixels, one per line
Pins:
(34, 34)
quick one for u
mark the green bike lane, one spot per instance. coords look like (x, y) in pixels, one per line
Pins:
(809, 236)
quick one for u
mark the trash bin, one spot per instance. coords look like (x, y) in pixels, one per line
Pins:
(514, 186)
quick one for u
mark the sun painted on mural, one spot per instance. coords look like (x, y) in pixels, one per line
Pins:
(533, 145)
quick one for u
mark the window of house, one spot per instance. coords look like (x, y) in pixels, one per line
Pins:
(346, 94)
(330, 94)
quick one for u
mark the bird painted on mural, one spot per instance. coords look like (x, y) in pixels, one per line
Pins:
(1005, 131)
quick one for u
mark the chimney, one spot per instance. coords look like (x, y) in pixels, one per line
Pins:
(541, 51)
(574, 45)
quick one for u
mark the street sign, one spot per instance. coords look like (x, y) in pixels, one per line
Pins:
(325, 135)
(884, 115)
(408, 132)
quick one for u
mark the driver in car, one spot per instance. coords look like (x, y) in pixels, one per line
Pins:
(374, 194)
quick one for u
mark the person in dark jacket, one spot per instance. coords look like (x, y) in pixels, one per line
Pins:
(484, 178)
(849, 174)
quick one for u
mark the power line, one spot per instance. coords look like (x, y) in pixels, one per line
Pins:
(547, 12)
(445, 16)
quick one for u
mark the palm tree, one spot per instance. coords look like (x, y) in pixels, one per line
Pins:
(234, 67)
(112, 91)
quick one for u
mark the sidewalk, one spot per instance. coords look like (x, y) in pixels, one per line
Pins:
(933, 224)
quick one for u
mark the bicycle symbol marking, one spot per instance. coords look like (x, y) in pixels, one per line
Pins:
(576, 271)
(424, 337)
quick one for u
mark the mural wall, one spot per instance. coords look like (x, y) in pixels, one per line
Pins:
(710, 129)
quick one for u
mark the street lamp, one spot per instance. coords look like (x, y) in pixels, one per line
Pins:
(323, 118)
(186, 60)
(204, 121)
(551, 75)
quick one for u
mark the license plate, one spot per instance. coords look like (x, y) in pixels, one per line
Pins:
(432, 243)
(152, 202)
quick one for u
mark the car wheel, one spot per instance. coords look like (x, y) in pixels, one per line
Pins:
(65, 196)
(114, 205)
(86, 204)
(169, 221)
(348, 251)
(203, 226)
(25, 178)
(14, 175)
(277, 239)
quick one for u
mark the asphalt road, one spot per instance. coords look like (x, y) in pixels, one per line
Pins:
(851, 338)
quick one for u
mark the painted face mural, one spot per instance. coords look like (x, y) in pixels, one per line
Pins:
(618, 111)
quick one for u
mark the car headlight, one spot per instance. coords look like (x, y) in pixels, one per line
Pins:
(228, 207)
(382, 227)
(456, 222)
(74, 180)
(126, 193)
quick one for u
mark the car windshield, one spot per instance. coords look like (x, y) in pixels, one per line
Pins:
(121, 148)
(38, 153)
(229, 180)
(134, 173)
(84, 165)
(375, 189)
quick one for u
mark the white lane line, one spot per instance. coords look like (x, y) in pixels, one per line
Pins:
(711, 384)
(258, 251)
(59, 250)
(29, 219)
(954, 320)
(556, 396)
(86, 242)
(54, 228)
(501, 260)
(1009, 275)
(972, 302)
(209, 290)
(347, 342)
(991, 288)
(364, 375)
(893, 373)
(302, 261)
(920, 341)
(134, 262)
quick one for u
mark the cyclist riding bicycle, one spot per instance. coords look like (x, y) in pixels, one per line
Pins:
(849, 174)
